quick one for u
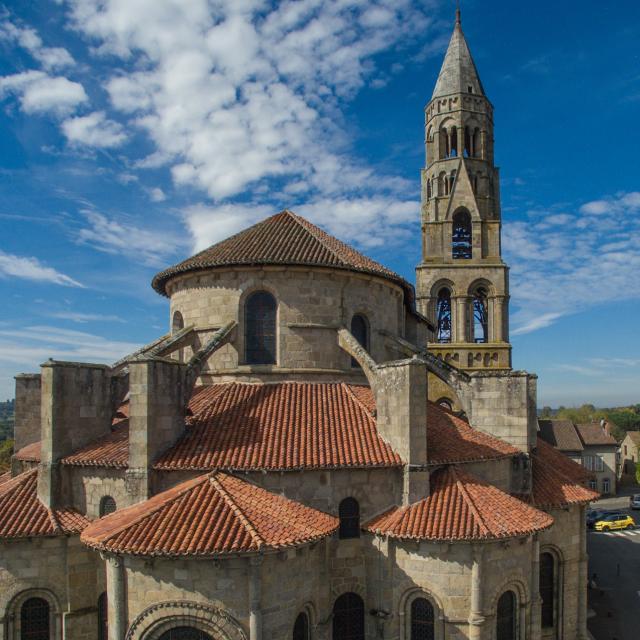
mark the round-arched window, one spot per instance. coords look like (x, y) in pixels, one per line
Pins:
(349, 515)
(461, 236)
(348, 617)
(107, 506)
(506, 617)
(35, 619)
(260, 328)
(422, 620)
(443, 312)
(360, 331)
(185, 633)
(301, 627)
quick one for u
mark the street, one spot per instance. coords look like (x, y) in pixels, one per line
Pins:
(614, 558)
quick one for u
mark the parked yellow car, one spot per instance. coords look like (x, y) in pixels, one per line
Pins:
(612, 521)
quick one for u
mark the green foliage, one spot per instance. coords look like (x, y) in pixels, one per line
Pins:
(6, 451)
(581, 415)
(638, 472)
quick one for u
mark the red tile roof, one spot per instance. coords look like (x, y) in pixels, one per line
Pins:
(285, 239)
(594, 434)
(557, 480)
(461, 507)
(451, 439)
(22, 515)
(5, 477)
(214, 514)
(561, 434)
(289, 425)
(30, 453)
(292, 425)
(110, 451)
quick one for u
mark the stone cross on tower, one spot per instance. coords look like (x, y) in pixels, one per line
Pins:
(462, 282)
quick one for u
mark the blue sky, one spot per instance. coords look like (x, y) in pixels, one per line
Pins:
(133, 133)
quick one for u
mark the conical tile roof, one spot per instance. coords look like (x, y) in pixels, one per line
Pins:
(282, 239)
(458, 71)
(215, 514)
(461, 508)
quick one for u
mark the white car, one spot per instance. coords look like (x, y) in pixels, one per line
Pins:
(634, 501)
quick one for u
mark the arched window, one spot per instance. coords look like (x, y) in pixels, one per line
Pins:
(103, 617)
(301, 627)
(260, 328)
(452, 180)
(422, 620)
(467, 142)
(453, 153)
(348, 617)
(443, 312)
(360, 331)
(349, 515)
(445, 403)
(547, 589)
(107, 506)
(443, 144)
(506, 617)
(429, 189)
(35, 619)
(442, 184)
(461, 236)
(185, 633)
(480, 316)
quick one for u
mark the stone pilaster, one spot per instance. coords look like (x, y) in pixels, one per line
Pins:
(116, 590)
(255, 598)
(476, 617)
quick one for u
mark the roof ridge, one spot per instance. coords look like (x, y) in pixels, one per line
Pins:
(469, 500)
(364, 407)
(311, 229)
(190, 484)
(16, 481)
(258, 539)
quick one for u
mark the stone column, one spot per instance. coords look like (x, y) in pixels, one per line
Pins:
(460, 317)
(498, 319)
(116, 598)
(476, 619)
(535, 589)
(582, 578)
(255, 592)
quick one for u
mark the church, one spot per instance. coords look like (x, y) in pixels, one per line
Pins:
(316, 450)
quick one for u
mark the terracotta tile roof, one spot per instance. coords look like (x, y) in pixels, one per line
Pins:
(557, 480)
(289, 425)
(285, 239)
(451, 439)
(594, 434)
(110, 451)
(560, 434)
(214, 514)
(30, 453)
(461, 507)
(5, 477)
(22, 515)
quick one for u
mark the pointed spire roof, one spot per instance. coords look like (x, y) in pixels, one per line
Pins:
(458, 71)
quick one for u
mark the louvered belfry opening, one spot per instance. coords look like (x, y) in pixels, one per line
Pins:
(35, 617)
(348, 617)
(260, 328)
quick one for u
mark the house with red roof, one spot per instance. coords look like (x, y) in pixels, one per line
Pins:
(314, 450)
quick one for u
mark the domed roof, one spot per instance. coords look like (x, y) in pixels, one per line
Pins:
(282, 239)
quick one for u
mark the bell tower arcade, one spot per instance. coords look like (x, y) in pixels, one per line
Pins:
(462, 282)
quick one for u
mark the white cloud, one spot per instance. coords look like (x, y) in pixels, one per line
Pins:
(238, 95)
(115, 237)
(157, 195)
(83, 318)
(50, 58)
(29, 268)
(41, 93)
(566, 262)
(94, 130)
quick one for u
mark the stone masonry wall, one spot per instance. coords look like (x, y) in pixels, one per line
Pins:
(312, 305)
(27, 419)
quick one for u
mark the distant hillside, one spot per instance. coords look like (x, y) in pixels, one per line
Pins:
(7, 410)
(623, 419)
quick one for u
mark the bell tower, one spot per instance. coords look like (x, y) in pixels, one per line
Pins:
(462, 282)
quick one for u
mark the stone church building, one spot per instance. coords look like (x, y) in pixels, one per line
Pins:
(316, 450)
